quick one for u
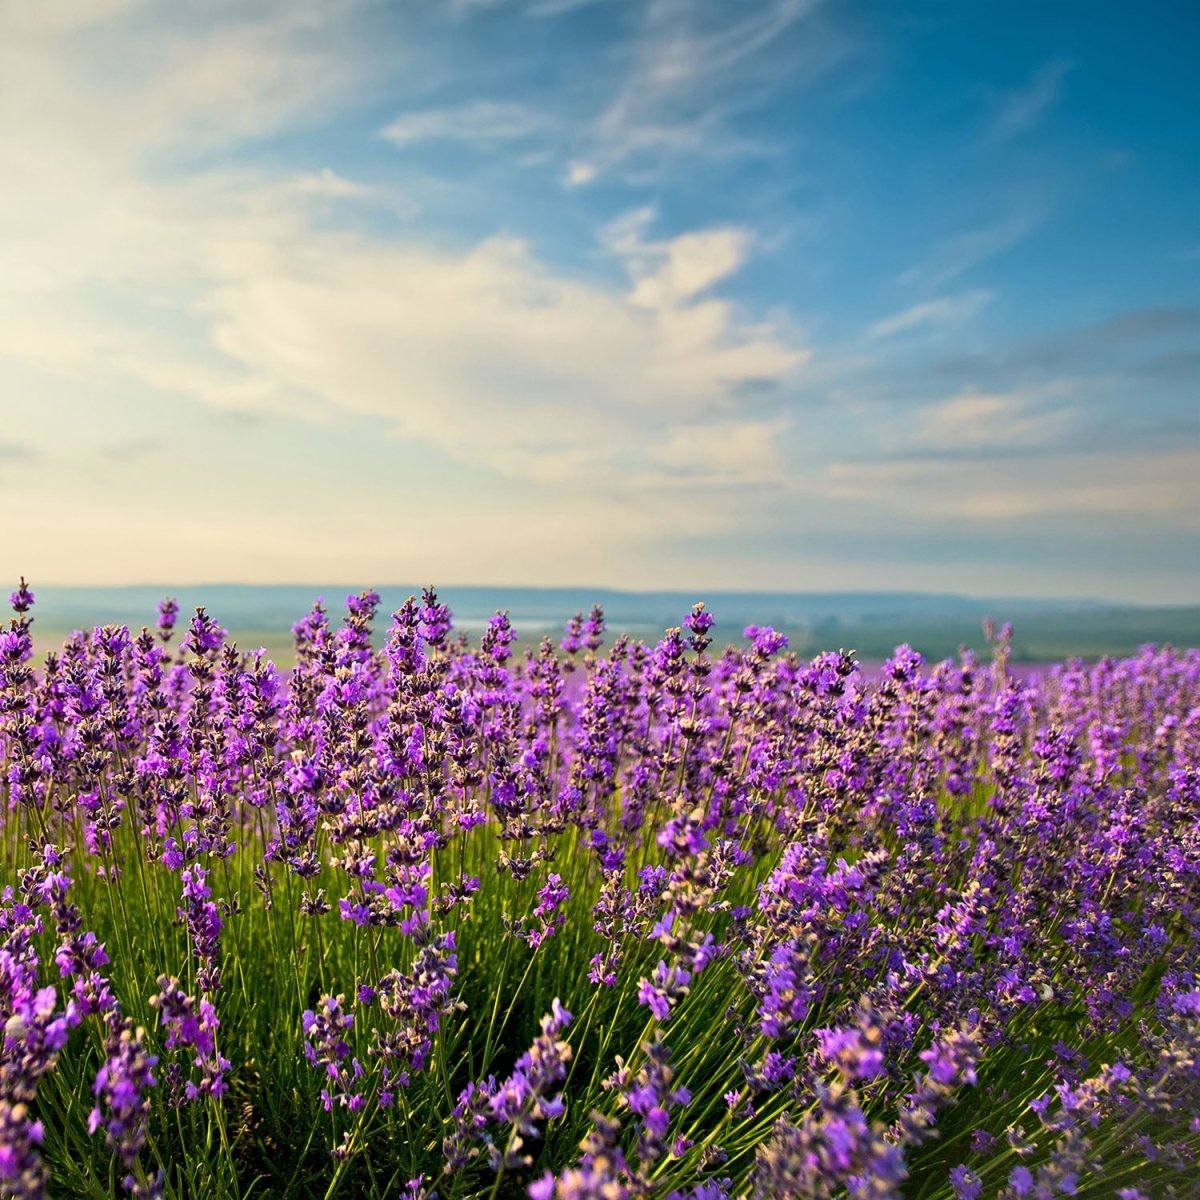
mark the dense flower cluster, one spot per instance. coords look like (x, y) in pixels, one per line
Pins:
(416, 917)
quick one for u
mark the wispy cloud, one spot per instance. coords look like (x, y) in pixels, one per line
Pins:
(1024, 419)
(945, 312)
(1019, 111)
(726, 452)
(535, 8)
(66, 17)
(16, 452)
(1126, 489)
(686, 77)
(557, 8)
(671, 91)
(330, 185)
(134, 449)
(482, 123)
(959, 253)
(1115, 343)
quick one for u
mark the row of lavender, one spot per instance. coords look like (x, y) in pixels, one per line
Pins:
(587, 922)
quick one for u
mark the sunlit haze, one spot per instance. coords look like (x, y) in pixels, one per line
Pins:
(662, 294)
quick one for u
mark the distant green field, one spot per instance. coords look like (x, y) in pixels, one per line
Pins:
(871, 623)
(1039, 637)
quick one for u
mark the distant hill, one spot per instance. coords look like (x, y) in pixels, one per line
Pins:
(872, 623)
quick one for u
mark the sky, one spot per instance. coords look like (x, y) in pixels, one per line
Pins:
(766, 294)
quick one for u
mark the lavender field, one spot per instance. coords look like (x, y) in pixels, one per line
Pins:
(605, 919)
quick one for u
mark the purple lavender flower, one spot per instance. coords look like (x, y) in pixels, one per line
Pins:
(767, 642)
(435, 619)
(699, 622)
(549, 911)
(21, 601)
(572, 641)
(122, 1104)
(593, 629)
(664, 989)
(518, 1103)
(523, 1099)
(204, 635)
(651, 1096)
(966, 1183)
(190, 1026)
(1020, 1181)
(951, 1061)
(203, 920)
(855, 1051)
(168, 613)
(416, 1001)
(22, 1172)
(326, 1047)
(602, 1172)
(835, 1149)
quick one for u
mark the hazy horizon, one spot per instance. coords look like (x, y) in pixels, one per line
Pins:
(333, 587)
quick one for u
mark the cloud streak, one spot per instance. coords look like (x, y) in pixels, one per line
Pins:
(961, 253)
(945, 312)
(995, 421)
(1020, 111)
(16, 452)
(685, 79)
(482, 123)
(1125, 489)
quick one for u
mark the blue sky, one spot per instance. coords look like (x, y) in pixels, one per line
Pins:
(673, 293)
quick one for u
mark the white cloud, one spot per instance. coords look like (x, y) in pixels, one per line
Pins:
(1108, 486)
(233, 288)
(684, 48)
(691, 264)
(597, 416)
(219, 387)
(726, 451)
(669, 271)
(489, 355)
